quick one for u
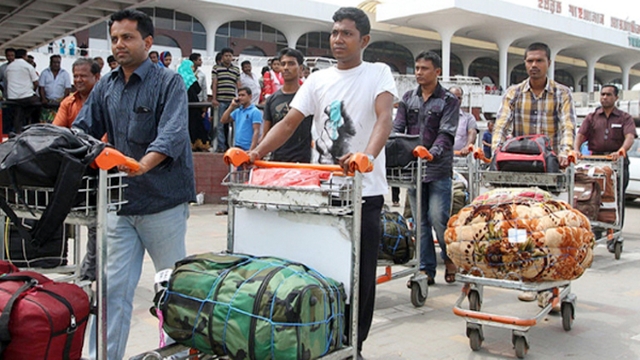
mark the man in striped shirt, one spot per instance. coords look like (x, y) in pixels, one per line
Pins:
(225, 81)
(538, 105)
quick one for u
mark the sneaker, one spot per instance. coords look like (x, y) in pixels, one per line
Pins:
(544, 297)
(527, 296)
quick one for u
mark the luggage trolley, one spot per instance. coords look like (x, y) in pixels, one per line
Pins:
(467, 166)
(605, 231)
(100, 194)
(319, 227)
(410, 177)
(474, 282)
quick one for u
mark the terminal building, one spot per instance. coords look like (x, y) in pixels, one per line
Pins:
(484, 39)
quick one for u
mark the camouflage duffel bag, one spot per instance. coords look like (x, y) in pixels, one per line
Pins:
(253, 308)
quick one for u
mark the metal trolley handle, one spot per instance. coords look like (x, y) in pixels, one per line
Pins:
(358, 162)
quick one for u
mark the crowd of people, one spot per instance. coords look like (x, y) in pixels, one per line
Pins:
(350, 105)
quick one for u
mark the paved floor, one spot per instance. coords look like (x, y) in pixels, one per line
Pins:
(607, 324)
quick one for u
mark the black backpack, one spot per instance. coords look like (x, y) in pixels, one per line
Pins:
(399, 149)
(45, 156)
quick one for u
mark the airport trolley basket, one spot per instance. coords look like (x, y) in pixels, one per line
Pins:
(100, 194)
(316, 226)
(605, 231)
(474, 281)
(410, 177)
(467, 166)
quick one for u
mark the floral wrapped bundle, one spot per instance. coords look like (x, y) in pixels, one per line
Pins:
(520, 234)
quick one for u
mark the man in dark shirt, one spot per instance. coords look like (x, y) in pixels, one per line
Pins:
(143, 110)
(432, 111)
(609, 130)
(298, 147)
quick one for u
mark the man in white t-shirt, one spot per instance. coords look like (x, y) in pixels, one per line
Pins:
(22, 81)
(352, 105)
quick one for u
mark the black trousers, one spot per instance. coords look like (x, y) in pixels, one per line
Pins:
(369, 243)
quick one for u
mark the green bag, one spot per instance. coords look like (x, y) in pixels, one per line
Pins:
(396, 242)
(253, 308)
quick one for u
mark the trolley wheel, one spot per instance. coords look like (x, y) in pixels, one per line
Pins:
(521, 347)
(474, 300)
(475, 340)
(617, 249)
(567, 316)
(416, 295)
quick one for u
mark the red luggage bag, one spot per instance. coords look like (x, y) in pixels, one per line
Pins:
(40, 318)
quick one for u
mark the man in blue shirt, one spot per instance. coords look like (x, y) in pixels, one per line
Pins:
(247, 118)
(144, 112)
(432, 112)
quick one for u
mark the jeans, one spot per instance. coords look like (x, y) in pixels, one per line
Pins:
(162, 235)
(222, 129)
(436, 207)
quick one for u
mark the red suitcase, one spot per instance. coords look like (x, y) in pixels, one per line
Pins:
(41, 319)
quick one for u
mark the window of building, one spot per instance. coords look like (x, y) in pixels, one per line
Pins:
(564, 78)
(485, 67)
(253, 51)
(398, 57)
(250, 30)
(315, 40)
(174, 20)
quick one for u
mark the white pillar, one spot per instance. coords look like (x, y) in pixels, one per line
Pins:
(591, 72)
(551, 73)
(211, 26)
(626, 69)
(446, 35)
(503, 61)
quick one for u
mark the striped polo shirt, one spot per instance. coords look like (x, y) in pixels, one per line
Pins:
(227, 81)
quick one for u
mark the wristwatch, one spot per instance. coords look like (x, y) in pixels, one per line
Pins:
(371, 158)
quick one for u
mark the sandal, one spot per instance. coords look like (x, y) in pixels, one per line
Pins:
(450, 272)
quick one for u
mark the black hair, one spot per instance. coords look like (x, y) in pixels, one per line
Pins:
(21, 53)
(110, 59)
(194, 57)
(277, 58)
(55, 56)
(245, 88)
(430, 56)
(613, 86)
(154, 52)
(538, 46)
(265, 69)
(226, 50)
(7, 50)
(245, 62)
(293, 53)
(145, 24)
(93, 66)
(358, 16)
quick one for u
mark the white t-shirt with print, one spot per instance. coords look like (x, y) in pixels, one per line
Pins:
(342, 103)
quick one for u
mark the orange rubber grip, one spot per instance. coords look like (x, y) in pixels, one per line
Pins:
(422, 153)
(479, 154)
(110, 158)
